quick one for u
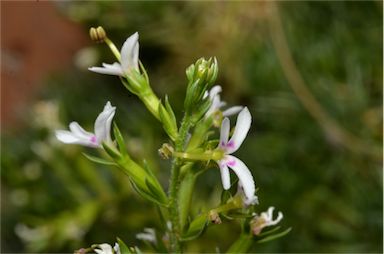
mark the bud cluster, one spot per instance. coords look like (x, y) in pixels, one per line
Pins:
(201, 77)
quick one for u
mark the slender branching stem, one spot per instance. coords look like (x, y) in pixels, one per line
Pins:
(174, 186)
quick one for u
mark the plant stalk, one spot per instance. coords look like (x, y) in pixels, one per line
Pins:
(174, 186)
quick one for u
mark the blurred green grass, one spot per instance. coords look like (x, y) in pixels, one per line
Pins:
(330, 195)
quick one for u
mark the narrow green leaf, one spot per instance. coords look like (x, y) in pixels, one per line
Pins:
(145, 195)
(268, 232)
(156, 193)
(123, 247)
(99, 160)
(111, 151)
(144, 72)
(119, 139)
(196, 227)
(273, 237)
(170, 111)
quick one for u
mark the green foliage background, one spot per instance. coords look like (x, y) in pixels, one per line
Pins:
(330, 193)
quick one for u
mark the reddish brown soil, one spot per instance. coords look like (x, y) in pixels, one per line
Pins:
(35, 40)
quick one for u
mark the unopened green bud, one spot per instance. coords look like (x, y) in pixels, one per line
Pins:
(201, 76)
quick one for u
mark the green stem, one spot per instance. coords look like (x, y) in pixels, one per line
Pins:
(174, 186)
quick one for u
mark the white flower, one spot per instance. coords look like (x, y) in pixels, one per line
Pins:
(105, 248)
(77, 135)
(217, 103)
(149, 235)
(230, 146)
(265, 220)
(129, 59)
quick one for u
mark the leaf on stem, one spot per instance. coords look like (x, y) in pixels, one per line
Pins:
(275, 236)
(196, 228)
(123, 247)
(99, 160)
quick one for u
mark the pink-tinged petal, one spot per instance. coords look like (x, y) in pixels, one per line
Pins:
(243, 125)
(68, 137)
(77, 130)
(232, 110)
(130, 53)
(103, 123)
(224, 133)
(109, 69)
(225, 177)
(243, 173)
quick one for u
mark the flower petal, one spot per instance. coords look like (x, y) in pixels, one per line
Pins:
(104, 249)
(215, 91)
(130, 53)
(243, 124)
(224, 133)
(77, 130)
(243, 173)
(68, 137)
(232, 110)
(110, 69)
(215, 105)
(103, 123)
(225, 177)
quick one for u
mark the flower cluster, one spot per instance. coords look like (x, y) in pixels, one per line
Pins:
(203, 109)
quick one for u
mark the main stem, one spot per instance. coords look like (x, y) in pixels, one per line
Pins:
(174, 185)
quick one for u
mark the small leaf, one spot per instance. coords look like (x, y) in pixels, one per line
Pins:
(155, 192)
(170, 111)
(146, 195)
(119, 140)
(99, 160)
(268, 232)
(196, 227)
(123, 247)
(111, 151)
(273, 237)
(144, 71)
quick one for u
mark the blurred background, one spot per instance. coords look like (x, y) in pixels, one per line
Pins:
(310, 72)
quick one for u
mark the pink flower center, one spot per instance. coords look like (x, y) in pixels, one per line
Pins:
(231, 163)
(230, 144)
(94, 139)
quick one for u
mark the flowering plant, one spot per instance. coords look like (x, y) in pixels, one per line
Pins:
(191, 148)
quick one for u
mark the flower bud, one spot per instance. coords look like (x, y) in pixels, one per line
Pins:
(97, 34)
(201, 76)
(203, 70)
(214, 217)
